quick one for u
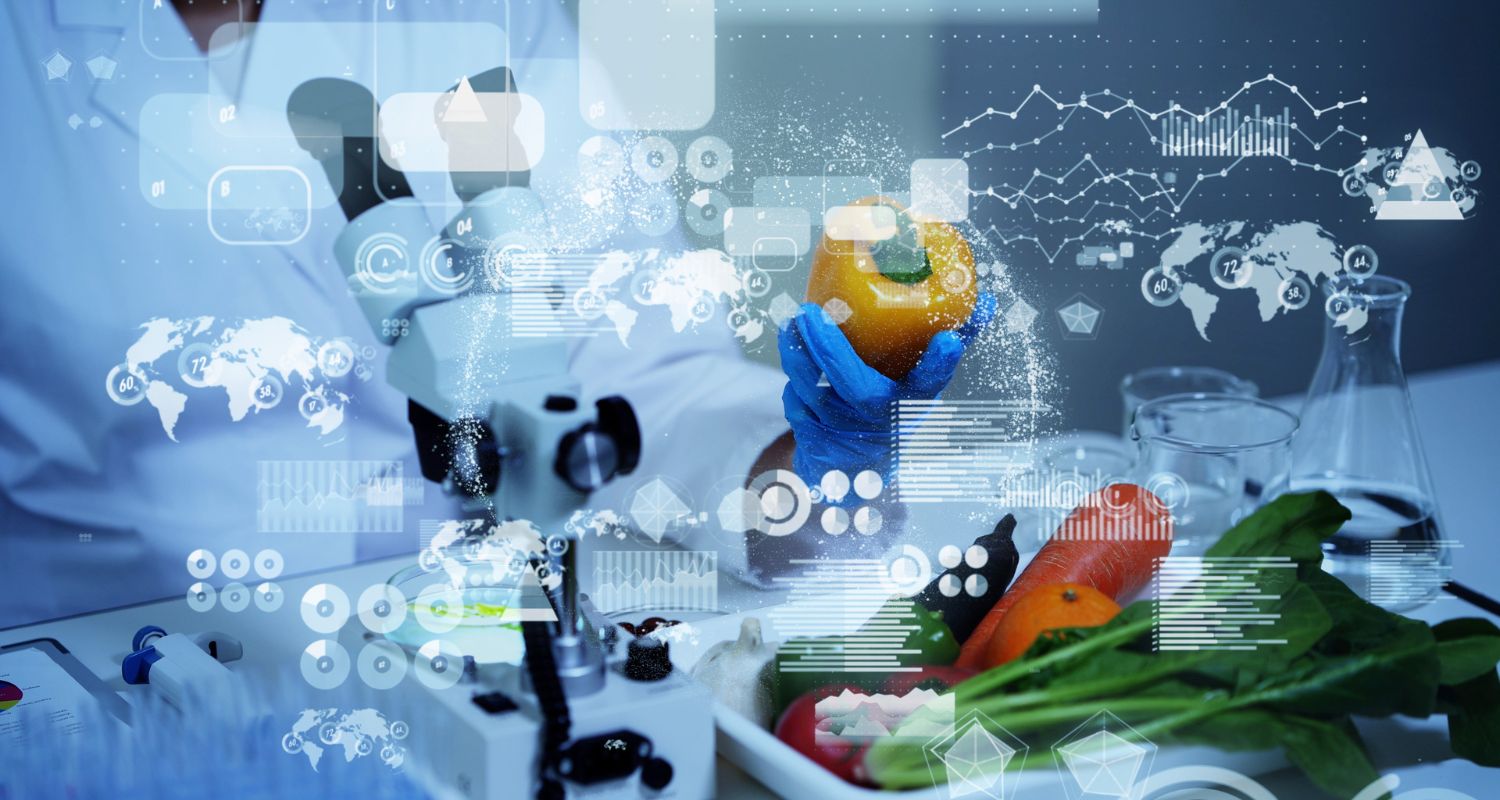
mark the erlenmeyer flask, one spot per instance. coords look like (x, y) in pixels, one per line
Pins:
(1359, 442)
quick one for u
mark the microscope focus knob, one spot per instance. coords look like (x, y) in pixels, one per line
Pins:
(617, 419)
(587, 458)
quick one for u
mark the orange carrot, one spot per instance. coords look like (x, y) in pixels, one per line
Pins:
(1109, 542)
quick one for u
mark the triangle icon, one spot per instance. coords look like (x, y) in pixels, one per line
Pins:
(1420, 190)
(465, 106)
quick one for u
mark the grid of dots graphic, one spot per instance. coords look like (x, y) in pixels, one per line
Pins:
(962, 574)
(834, 489)
(234, 596)
(381, 664)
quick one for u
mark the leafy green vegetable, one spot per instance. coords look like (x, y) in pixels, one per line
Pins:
(1467, 648)
(1342, 657)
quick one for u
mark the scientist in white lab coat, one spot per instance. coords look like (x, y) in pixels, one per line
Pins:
(99, 506)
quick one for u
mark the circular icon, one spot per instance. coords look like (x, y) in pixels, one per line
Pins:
(1294, 293)
(867, 484)
(1169, 488)
(1459, 194)
(382, 664)
(1433, 188)
(235, 563)
(1160, 287)
(835, 485)
(654, 213)
(757, 282)
(325, 665)
(269, 597)
(125, 385)
(193, 364)
(835, 520)
(380, 263)
(325, 608)
(907, 572)
(266, 392)
(201, 596)
(1354, 184)
(956, 279)
(311, 405)
(867, 520)
(950, 557)
(1360, 261)
(709, 159)
(399, 730)
(439, 664)
(950, 585)
(601, 158)
(1469, 170)
(976, 585)
(705, 212)
(510, 263)
(268, 563)
(1230, 269)
(1338, 305)
(589, 303)
(643, 287)
(653, 159)
(393, 756)
(702, 310)
(439, 608)
(382, 608)
(329, 733)
(291, 743)
(335, 358)
(234, 597)
(445, 267)
(201, 563)
(785, 502)
(1392, 174)
(557, 545)
(976, 557)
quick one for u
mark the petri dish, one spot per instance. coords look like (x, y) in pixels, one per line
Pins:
(482, 622)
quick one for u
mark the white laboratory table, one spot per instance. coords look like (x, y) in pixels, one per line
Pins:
(1460, 428)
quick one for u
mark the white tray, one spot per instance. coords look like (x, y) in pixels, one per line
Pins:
(790, 774)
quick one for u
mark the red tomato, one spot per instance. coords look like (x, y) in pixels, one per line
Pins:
(798, 729)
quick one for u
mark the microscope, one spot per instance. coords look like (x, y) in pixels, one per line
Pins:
(500, 421)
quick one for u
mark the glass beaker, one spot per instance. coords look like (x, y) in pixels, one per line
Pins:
(1212, 459)
(1359, 442)
(1154, 382)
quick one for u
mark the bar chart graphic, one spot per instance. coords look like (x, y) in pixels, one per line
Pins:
(658, 580)
(1226, 133)
(961, 450)
(1202, 603)
(1404, 573)
(329, 497)
(837, 618)
(551, 296)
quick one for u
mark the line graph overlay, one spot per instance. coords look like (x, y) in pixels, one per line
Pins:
(329, 497)
(1117, 103)
(669, 580)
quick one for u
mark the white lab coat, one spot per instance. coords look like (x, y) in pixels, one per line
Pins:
(98, 508)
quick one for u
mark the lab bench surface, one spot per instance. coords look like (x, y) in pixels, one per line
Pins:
(1461, 432)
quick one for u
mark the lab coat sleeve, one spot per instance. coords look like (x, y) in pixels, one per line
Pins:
(706, 413)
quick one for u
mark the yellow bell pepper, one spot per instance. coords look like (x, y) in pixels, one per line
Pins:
(900, 291)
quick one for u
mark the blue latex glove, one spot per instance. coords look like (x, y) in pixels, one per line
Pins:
(846, 425)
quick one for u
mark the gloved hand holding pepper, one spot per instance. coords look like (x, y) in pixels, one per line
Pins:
(846, 424)
(904, 287)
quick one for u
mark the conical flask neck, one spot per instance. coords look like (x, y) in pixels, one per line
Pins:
(1362, 331)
